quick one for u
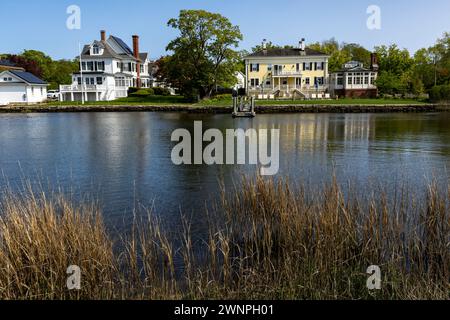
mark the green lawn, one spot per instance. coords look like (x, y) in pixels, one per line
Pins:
(228, 102)
(151, 100)
(179, 100)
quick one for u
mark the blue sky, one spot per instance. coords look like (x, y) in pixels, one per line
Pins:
(41, 24)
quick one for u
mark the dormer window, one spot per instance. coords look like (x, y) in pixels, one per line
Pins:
(95, 50)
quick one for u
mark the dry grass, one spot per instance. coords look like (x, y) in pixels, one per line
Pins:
(271, 241)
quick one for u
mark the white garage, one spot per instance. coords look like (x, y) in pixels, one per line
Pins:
(21, 87)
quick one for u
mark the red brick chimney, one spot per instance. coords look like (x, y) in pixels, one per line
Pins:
(103, 35)
(136, 55)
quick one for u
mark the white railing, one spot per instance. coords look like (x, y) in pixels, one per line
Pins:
(286, 88)
(91, 87)
(277, 73)
(87, 87)
(275, 88)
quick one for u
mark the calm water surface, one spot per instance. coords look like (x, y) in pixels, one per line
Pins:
(123, 159)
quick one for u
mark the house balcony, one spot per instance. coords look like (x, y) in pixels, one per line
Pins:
(288, 91)
(90, 92)
(287, 88)
(90, 88)
(286, 74)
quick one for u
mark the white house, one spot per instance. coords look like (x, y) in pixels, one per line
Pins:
(109, 67)
(356, 81)
(240, 80)
(21, 87)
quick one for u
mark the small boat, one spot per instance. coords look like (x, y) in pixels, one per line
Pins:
(244, 107)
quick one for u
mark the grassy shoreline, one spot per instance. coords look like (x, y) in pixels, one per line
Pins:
(271, 241)
(224, 106)
(226, 102)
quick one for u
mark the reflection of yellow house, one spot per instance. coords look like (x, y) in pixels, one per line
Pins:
(286, 73)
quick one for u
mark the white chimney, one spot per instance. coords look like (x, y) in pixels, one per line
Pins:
(302, 44)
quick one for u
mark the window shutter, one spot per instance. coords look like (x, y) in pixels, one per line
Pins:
(251, 67)
(257, 67)
(315, 65)
(304, 66)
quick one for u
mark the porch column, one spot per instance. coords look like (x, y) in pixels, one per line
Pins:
(71, 96)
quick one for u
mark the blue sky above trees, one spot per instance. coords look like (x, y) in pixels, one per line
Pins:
(41, 24)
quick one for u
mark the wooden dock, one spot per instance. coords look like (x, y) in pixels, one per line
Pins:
(244, 107)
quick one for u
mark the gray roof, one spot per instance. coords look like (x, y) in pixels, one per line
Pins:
(7, 63)
(294, 52)
(123, 45)
(356, 69)
(28, 77)
(109, 52)
(143, 56)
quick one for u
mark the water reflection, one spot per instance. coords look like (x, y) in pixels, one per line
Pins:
(123, 159)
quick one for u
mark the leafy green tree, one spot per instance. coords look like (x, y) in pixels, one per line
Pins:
(394, 59)
(241, 62)
(357, 53)
(337, 56)
(28, 65)
(43, 66)
(203, 53)
(396, 75)
(342, 53)
(441, 57)
(424, 68)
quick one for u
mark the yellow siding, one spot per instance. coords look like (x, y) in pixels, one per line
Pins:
(265, 74)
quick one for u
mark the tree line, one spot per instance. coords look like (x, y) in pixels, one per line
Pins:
(54, 72)
(204, 57)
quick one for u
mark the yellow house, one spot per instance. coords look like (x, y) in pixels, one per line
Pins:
(287, 73)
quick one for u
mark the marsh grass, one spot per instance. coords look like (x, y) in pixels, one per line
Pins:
(267, 240)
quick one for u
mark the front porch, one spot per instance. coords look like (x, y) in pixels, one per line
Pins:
(92, 93)
(287, 85)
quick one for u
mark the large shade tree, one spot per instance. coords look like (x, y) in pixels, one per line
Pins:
(55, 72)
(203, 55)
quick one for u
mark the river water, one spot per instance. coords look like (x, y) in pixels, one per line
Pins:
(123, 160)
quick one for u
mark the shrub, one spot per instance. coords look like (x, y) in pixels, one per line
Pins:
(142, 93)
(161, 91)
(132, 90)
(440, 93)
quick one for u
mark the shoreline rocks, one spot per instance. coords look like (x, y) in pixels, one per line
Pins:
(266, 109)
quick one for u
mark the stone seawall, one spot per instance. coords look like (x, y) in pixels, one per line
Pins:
(331, 108)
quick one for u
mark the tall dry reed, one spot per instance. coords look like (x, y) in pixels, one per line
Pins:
(267, 240)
